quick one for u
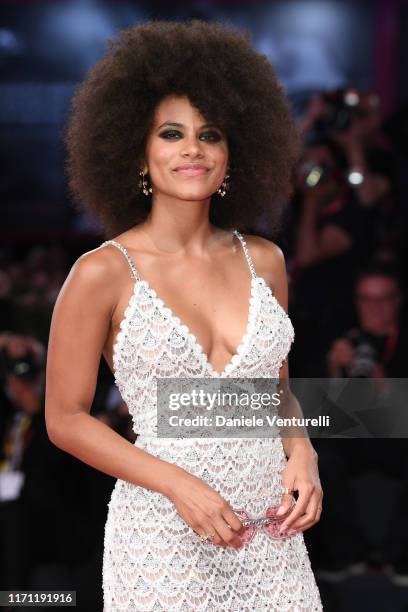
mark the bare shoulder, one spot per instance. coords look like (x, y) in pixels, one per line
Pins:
(99, 262)
(96, 274)
(267, 256)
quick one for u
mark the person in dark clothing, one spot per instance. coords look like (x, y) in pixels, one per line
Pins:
(331, 233)
(376, 347)
(344, 211)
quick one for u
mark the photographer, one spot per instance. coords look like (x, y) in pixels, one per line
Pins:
(332, 233)
(353, 120)
(377, 346)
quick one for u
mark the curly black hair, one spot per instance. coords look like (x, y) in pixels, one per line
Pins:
(232, 85)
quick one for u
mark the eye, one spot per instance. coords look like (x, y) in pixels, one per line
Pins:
(214, 136)
(211, 136)
(169, 133)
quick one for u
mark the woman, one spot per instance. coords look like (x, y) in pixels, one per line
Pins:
(199, 115)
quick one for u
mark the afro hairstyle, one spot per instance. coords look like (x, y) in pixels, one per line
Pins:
(224, 77)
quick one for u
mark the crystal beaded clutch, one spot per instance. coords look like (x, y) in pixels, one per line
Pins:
(270, 523)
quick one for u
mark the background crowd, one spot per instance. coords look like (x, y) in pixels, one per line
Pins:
(345, 237)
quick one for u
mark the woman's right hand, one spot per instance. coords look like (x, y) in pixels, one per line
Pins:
(204, 510)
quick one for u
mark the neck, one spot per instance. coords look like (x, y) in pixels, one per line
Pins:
(180, 225)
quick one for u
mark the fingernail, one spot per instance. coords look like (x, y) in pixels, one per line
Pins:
(282, 528)
(281, 510)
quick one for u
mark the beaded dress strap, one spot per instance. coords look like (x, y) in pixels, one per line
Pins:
(246, 251)
(135, 273)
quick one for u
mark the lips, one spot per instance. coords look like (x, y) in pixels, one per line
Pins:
(191, 170)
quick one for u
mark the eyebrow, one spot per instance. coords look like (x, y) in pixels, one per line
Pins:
(175, 124)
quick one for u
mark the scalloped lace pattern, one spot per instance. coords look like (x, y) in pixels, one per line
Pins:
(150, 561)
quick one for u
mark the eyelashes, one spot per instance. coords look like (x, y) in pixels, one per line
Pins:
(170, 135)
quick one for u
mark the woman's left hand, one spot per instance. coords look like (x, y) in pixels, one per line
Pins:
(301, 474)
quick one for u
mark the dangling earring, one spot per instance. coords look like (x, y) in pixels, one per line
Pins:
(143, 184)
(224, 187)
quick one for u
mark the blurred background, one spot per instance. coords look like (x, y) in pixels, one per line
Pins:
(343, 65)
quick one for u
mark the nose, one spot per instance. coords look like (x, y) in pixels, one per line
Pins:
(191, 146)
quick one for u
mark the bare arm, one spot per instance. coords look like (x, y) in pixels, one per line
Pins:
(274, 261)
(313, 245)
(301, 472)
(79, 328)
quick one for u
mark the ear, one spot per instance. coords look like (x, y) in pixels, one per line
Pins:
(143, 166)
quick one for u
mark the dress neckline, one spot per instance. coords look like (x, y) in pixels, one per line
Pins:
(182, 328)
(258, 287)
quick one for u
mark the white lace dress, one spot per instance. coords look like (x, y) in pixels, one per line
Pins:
(150, 561)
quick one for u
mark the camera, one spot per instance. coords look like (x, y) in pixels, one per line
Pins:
(342, 106)
(365, 355)
(25, 366)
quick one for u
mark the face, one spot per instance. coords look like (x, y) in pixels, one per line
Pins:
(185, 158)
(378, 302)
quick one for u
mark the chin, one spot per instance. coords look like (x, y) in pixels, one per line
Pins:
(193, 195)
